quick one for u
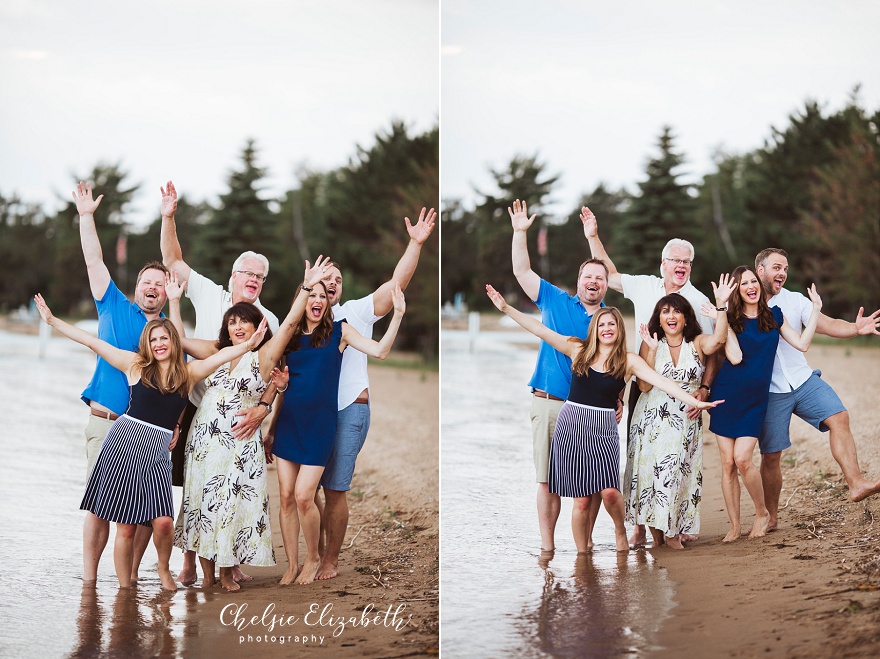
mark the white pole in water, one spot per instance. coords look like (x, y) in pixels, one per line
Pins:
(473, 328)
(45, 333)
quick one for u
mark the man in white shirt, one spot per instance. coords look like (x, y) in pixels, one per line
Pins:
(645, 291)
(795, 388)
(353, 421)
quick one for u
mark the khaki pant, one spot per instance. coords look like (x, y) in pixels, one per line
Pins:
(96, 430)
(543, 414)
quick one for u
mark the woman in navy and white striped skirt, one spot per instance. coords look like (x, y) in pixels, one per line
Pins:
(131, 481)
(585, 453)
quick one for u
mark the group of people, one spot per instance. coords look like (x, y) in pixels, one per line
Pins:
(741, 358)
(157, 419)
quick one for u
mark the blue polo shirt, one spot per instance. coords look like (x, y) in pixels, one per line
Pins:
(120, 324)
(565, 314)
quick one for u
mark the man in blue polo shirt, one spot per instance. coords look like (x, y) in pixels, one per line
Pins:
(120, 323)
(569, 315)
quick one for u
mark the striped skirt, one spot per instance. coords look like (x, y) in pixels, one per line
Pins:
(131, 481)
(585, 452)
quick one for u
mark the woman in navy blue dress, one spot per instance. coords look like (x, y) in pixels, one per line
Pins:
(131, 481)
(744, 382)
(305, 426)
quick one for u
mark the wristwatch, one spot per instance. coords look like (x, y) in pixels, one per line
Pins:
(702, 386)
(268, 406)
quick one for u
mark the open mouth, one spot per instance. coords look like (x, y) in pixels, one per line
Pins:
(681, 273)
(752, 294)
(672, 325)
(160, 351)
(152, 295)
(316, 310)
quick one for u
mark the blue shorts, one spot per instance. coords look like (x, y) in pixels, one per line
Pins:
(813, 401)
(352, 426)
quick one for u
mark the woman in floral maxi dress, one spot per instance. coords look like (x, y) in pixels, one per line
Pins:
(665, 454)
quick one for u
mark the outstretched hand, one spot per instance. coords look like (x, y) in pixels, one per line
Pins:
(724, 289)
(649, 339)
(43, 308)
(169, 200)
(174, 288)
(398, 299)
(281, 379)
(591, 226)
(814, 297)
(868, 324)
(496, 297)
(519, 216)
(82, 197)
(422, 229)
(258, 335)
(316, 273)
(708, 310)
(707, 405)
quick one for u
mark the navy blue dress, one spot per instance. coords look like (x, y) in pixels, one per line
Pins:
(745, 388)
(306, 424)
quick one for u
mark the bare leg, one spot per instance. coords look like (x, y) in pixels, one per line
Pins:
(729, 486)
(675, 542)
(639, 536)
(595, 504)
(613, 501)
(163, 538)
(335, 521)
(287, 472)
(657, 536)
(580, 523)
(227, 581)
(843, 448)
(95, 534)
(122, 553)
(142, 535)
(743, 450)
(310, 519)
(548, 512)
(188, 574)
(771, 478)
(322, 536)
(208, 576)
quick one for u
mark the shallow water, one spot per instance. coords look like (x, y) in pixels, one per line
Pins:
(45, 610)
(498, 596)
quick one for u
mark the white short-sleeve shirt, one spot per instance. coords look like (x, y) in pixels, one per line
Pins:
(790, 368)
(361, 315)
(646, 290)
(211, 301)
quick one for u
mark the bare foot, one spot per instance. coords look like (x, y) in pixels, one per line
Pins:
(657, 536)
(208, 581)
(187, 577)
(229, 584)
(308, 572)
(759, 528)
(863, 490)
(732, 534)
(621, 541)
(327, 570)
(290, 575)
(675, 542)
(773, 524)
(639, 537)
(167, 579)
(238, 575)
(687, 537)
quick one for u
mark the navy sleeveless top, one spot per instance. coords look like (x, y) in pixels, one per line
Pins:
(597, 390)
(151, 406)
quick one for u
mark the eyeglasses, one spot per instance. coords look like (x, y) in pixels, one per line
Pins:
(252, 275)
(679, 261)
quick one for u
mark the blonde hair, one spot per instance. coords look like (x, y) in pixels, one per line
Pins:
(616, 363)
(178, 376)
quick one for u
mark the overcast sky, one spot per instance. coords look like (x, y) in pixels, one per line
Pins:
(172, 90)
(588, 85)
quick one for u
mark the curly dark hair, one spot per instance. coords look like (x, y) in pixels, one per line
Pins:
(736, 307)
(241, 311)
(675, 301)
(320, 336)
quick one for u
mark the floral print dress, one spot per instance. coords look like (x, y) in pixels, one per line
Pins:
(225, 513)
(664, 463)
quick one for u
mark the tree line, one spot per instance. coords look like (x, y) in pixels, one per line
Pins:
(812, 189)
(354, 214)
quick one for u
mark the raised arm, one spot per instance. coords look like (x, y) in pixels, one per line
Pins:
(99, 275)
(172, 255)
(271, 351)
(597, 249)
(406, 266)
(533, 325)
(648, 352)
(638, 367)
(843, 329)
(709, 344)
(202, 368)
(802, 341)
(197, 348)
(522, 268)
(116, 357)
(732, 350)
(380, 348)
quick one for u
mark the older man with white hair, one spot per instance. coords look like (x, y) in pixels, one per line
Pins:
(645, 291)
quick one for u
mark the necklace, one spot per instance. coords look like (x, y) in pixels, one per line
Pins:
(674, 346)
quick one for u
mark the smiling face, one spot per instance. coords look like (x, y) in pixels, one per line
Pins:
(240, 330)
(607, 329)
(149, 293)
(672, 321)
(592, 284)
(160, 344)
(676, 274)
(333, 283)
(317, 305)
(247, 288)
(773, 273)
(750, 287)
